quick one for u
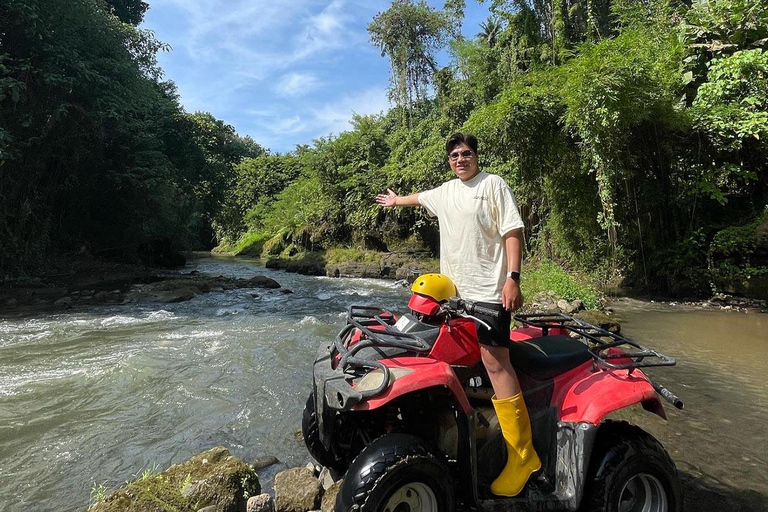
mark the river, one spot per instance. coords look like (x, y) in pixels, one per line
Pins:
(95, 396)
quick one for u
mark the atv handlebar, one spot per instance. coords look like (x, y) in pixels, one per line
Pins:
(456, 304)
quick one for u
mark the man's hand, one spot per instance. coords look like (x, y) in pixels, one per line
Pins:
(387, 200)
(511, 296)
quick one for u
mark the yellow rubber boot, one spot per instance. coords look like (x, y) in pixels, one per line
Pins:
(522, 459)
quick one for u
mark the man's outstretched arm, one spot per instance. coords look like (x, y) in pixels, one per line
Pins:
(390, 199)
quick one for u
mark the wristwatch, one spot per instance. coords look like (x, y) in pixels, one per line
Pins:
(514, 276)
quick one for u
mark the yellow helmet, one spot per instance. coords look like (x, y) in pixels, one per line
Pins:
(437, 286)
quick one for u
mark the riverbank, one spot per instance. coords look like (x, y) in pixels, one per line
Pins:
(86, 281)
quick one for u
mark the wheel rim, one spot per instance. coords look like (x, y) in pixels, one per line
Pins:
(412, 497)
(643, 493)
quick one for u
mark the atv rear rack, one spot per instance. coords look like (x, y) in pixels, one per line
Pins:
(627, 355)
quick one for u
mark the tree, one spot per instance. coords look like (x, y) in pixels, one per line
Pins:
(410, 34)
(128, 11)
(490, 31)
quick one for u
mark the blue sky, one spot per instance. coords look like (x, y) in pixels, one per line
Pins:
(284, 72)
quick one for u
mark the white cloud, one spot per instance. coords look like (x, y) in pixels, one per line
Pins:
(296, 84)
(334, 117)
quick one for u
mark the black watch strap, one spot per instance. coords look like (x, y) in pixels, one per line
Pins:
(514, 276)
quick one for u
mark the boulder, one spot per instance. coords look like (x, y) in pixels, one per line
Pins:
(329, 497)
(263, 282)
(213, 478)
(65, 302)
(264, 462)
(261, 503)
(297, 490)
(570, 308)
(599, 319)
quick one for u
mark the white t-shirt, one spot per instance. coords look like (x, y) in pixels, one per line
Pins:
(473, 217)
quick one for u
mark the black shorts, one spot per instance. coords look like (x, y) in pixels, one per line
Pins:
(498, 336)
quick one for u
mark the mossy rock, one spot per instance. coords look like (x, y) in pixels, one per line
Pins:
(275, 245)
(599, 319)
(212, 478)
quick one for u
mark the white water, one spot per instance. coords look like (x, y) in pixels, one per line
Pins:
(95, 396)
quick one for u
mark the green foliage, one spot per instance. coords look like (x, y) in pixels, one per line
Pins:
(732, 105)
(96, 153)
(410, 33)
(98, 493)
(633, 134)
(549, 276)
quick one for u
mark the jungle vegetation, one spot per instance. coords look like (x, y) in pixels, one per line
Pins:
(633, 133)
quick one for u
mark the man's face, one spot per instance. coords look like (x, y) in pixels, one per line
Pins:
(463, 162)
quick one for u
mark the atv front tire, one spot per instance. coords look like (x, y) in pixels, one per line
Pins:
(630, 471)
(394, 473)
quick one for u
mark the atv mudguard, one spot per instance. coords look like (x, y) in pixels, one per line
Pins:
(587, 395)
(427, 373)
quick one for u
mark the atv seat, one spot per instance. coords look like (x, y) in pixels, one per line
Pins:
(545, 357)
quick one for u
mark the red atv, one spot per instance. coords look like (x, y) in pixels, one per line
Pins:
(403, 407)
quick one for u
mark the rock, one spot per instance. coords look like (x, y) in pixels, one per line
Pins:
(261, 503)
(263, 282)
(180, 295)
(64, 302)
(11, 303)
(297, 490)
(570, 308)
(263, 462)
(213, 479)
(329, 498)
(326, 479)
(599, 319)
(286, 291)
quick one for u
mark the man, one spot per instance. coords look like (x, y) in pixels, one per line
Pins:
(481, 250)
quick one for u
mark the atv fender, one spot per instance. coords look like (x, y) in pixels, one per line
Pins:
(587, 396)
(425, 373)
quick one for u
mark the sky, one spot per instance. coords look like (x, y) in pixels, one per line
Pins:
(284, 72)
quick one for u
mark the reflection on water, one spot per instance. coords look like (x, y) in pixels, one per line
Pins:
(97, 395)
(719, 440)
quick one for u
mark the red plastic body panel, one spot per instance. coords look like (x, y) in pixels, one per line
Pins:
(457, 343)
(427, 373)
(587, 396)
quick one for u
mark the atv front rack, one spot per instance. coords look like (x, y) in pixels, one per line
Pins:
(376, 327)
(628, 354)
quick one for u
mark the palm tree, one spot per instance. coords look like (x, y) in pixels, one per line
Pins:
(491, 28)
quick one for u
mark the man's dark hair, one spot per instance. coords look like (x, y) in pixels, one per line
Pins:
(461, 138)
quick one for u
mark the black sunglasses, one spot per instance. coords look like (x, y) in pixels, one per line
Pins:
(455, 155)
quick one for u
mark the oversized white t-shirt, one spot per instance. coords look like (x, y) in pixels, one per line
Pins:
(474, 216)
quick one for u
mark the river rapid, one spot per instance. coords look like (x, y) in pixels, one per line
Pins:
(96, 396)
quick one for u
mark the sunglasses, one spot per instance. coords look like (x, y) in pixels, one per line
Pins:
(455, 155)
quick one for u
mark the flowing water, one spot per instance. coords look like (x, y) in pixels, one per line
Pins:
(96, 396)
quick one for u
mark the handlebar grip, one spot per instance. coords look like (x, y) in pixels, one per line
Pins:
(470, 307)
(485, 311)
(667, 395)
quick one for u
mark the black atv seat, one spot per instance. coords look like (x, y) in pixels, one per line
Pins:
(544, 358)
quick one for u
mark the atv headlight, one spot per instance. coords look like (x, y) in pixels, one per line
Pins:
(373, 379)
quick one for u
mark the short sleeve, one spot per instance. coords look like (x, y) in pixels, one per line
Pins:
(430, 199)
(508, 214)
